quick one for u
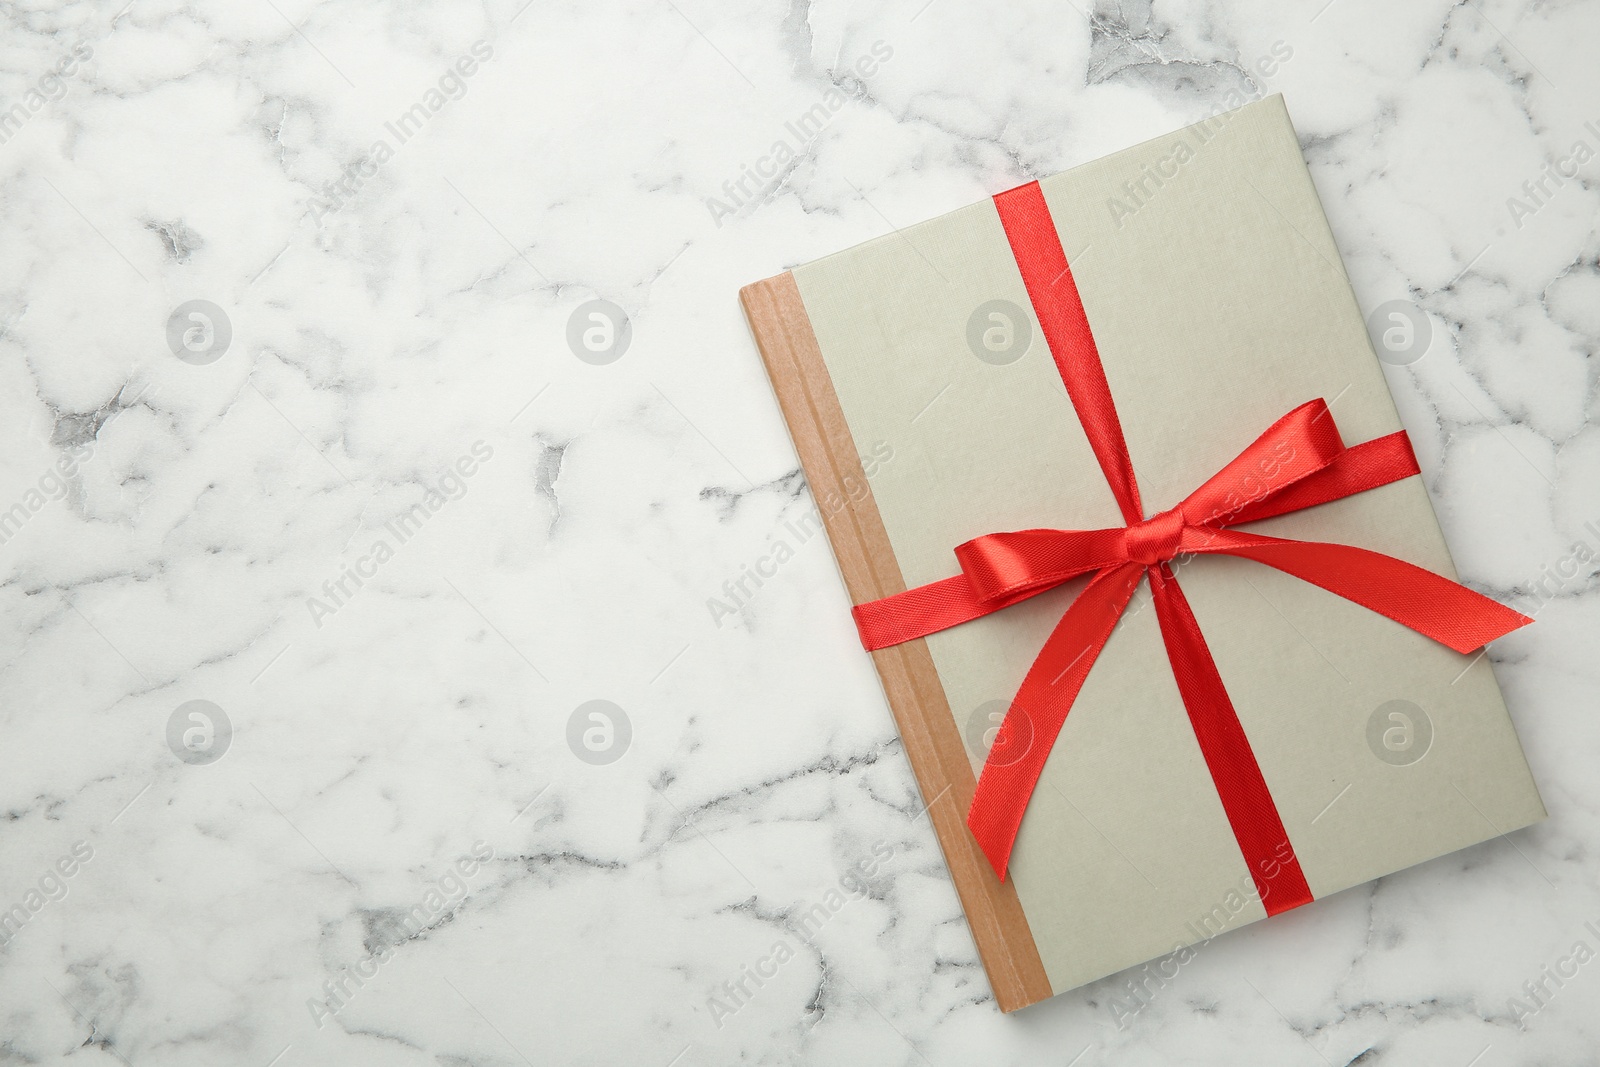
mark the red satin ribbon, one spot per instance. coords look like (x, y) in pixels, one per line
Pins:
(1299, 462)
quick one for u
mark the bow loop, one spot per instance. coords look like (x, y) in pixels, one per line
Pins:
(1003, 567)
(1302, 443)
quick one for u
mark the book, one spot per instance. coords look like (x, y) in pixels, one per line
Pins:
(1217, 301)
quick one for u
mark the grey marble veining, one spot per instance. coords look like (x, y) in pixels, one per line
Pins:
(362, 695)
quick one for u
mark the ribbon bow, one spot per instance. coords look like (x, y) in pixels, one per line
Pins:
(1299, 462)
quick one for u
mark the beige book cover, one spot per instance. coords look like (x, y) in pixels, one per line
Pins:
(1218, 302)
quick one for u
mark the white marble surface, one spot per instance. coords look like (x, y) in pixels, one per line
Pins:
(380, 334)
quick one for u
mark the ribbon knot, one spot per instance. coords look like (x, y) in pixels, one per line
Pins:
(1298, 462)
(1156, 539)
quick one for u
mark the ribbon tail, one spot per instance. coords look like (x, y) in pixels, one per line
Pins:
(1026, 737)
(1430, 604)
(1246, 800)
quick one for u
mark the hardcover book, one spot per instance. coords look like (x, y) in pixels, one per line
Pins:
(1200, 269)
